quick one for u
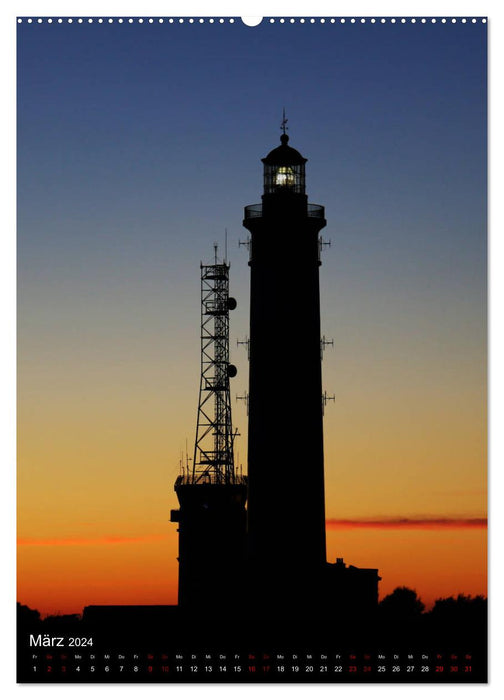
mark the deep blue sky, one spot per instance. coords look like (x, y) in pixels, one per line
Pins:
(132, 123)
(144, 141)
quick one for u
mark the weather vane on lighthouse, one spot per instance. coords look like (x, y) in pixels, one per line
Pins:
(283, 125)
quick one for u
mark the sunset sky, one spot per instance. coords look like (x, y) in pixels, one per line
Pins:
(137, 146)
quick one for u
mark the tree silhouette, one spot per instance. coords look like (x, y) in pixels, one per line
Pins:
(403, 603)
(463, 607)
(27, 616)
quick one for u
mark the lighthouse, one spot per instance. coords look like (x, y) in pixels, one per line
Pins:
(286, 514)
(289, 576)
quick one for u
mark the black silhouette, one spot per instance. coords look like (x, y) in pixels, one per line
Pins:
(460, 608)
(402, 604)
(26, 616)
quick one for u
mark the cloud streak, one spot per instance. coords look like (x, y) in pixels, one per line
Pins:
(397, 523)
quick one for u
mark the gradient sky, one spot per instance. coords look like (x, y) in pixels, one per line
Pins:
(137, 146)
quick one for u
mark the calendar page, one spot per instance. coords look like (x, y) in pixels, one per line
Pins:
(252, 349)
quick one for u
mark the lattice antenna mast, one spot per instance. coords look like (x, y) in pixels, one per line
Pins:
(213, 450)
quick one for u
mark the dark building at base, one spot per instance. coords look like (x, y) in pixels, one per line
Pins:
(212, 544)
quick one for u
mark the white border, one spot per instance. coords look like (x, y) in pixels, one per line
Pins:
(7, 257)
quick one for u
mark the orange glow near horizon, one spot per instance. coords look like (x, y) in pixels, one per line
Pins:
(62, 575)
(63, 578)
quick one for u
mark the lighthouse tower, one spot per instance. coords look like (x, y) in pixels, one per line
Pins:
(286, 515)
